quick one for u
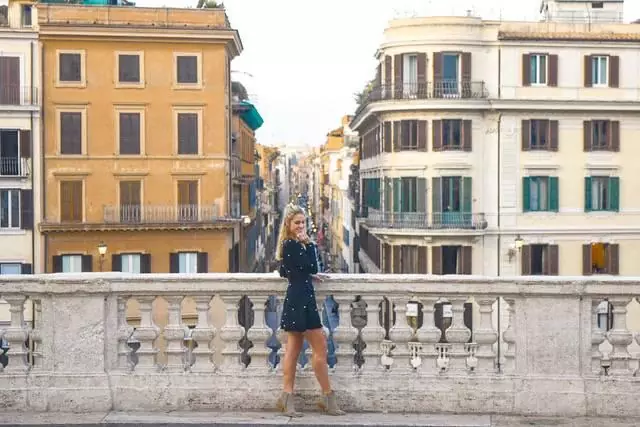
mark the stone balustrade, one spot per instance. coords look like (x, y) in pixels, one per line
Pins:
(526, 345)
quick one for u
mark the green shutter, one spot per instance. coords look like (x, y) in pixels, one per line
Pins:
(466, 194)
(554, 201)
(436, 195)
(526, 197)
(388, 194)
(421, 195)
(377, 193)
(587, 194)
(397, 195)
(614, 194)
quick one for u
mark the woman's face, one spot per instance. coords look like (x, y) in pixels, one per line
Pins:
(297, 224)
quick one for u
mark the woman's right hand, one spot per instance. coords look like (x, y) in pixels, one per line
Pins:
(303, 237)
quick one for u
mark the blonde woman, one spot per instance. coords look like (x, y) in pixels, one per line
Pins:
(300, 317)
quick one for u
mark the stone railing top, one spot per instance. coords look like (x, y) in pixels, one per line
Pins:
(351, 284)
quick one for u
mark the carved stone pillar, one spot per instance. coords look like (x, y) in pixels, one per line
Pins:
(372, 334)
(259, 333)
(174, 335)
(36, 336)
(428, 335)
(597, 337)
(400, 333)
(509, 337)
(486, 337)
(620, 337)
(16, 335)
(123, 334)
(230, 334)
(203, 335)
(344, 335)
(146, 334)
(457, 335)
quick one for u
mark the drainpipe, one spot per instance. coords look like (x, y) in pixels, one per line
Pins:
(43, 187)
(33, 160)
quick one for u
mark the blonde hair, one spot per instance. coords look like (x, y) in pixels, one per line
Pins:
(290, 211)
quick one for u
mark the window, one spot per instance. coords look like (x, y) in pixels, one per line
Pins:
(9, 208)
(70, 67)
(538, 70)
(600, 134)
(130, 197)
(71, 201)
(27, 15)
(599, 70)
(130, 130)
(130, 263)
(410, 75)
(10, 268)
(539, 134)
(409, 132)
(188, 262)
(187, 69)
(71, 263)
(597, 5)
(188, 137)
(451, 259)
(540, 194)
(188, 200)
(71, 132)
(129, 68)
(450, 74)
(602, 194)
(600, 258)
(539, 260)
(10, 82)
(452, 134)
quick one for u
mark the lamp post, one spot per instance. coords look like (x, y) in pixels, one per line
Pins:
(102, 251)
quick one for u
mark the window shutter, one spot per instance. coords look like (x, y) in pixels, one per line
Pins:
(116, 262)
(553, 135)
(467, 191)
(614, 71)
(466, 135)
(467, 260)
(436, 195)
(437, 135)
(552, 260)
(613, 259)
(26, 269)
(614, 194)
(25, 143)
(587, 194)
(397, 71)
(87, 263)
(57, 264)
(422, 75)
(397, 255)
(422, 259)
(587, 136)
(387, 137)
(422, 135)
(554, 194)
(526, 70)
(553, 70)
(587, 262)
(397, 195)
(388, 82)
(203, 262)
(174, 263)
(421, 196)
(588, 77)
(525, 260)
(526, 196)
(615, 136)
(526, 135)
(436, 260)
(388, 195)
(397, 126)
(437, 75)
(386, 252)
(26, 209)
(466, 67)
(378, 76)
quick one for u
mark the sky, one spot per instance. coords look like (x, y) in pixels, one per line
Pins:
(304, 59)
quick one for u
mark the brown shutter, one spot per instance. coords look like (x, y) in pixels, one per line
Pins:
(379, 75)
(129, 133)
(587, 263)
(396, 135)
(387, 137)
(87, 263)
(71, 200)
(422, 260)
(386, 252)
(526, 135)
(25, 143)
(526, 69)
(466, 67)
(437, 135)
(387, 72)
(422, 76)
(422, 135)
(552, 260)
(436, 260)
(10, 80)
(397, 78)
(614, 71)
(613, 259)
(145, 263)
(588, 77)
(116, 262)
(397, 255)
(57, 264)
(467, 260)
(437, 75)
(26, 209)
(187, 133)
(174, 263)
(70, 133)
(553, 135)
(525, 260)
(615, 136)
(203, 262)
(587, 135)
(466, 135)
(553, 70)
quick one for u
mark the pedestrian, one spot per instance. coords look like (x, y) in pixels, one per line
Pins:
(300, 317)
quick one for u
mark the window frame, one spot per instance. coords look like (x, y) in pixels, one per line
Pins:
(130, 255)
(410, 143)
(83, 198)
(11, 226)
(13, 264)
(542, 127)
(186, 86)
(606, 185)
(537, 58)
(595, 70)
(595, 125)
(83, 129)
(71, 256)
(187, 255)
(141, 83)
(187, 110)
(142, 136)
(445, 146)
(82, 83)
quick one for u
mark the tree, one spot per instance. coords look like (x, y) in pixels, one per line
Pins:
(361, 97)
(238, 89)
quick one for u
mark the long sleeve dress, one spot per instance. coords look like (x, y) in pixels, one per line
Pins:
(299, 311)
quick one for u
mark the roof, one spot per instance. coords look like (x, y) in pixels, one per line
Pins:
(568, 36)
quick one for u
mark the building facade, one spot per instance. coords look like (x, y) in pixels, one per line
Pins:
(137, 139)
(502, 148)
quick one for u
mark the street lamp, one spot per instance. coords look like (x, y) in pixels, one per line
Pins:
(102, 250)
(519, 242)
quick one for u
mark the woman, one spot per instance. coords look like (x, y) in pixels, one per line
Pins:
(300, 317)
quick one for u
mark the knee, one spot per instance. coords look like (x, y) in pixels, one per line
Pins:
(320, 354)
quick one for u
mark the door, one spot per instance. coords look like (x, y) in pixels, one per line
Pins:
(9, 153)
(188, 200)
(130, 208)
(450, 74)
(9, 80)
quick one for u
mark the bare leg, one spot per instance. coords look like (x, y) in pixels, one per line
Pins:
(292, 350)
(318, 342)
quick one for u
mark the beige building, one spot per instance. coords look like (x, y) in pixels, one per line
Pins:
(500, 148)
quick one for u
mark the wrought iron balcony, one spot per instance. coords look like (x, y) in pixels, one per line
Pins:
(159, 214)
(18, 95)
(426, 221)
(13, 167)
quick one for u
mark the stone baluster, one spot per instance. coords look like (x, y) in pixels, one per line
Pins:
(400, 333)
(259, 333)
(16, 335)
(428, 335)
(231, 333)
(485, 336)
(620, 337)
(36, 336)
(174, 335)
(203, 334)
(509, 337)
(372, 334)
(598, 336)
(146, 335)
(344, 335)
(124, 333)
(457, 335)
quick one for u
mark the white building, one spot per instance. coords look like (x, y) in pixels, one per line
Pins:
(501, 148)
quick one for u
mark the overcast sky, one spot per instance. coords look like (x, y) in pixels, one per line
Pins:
(308, 57)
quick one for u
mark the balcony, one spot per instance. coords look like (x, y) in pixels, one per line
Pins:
(85, 356)
(426, 221)
(14, 167)
(18, 95)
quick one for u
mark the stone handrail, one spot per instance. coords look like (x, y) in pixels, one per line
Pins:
(525, 345)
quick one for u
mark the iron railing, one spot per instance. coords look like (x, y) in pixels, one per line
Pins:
(13, 166)
(18, 95)
(426, 221)
(158, 214)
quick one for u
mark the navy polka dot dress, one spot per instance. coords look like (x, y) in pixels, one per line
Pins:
(300, 311)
